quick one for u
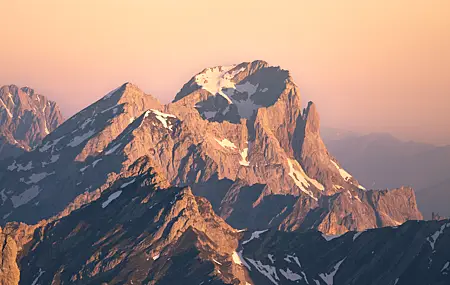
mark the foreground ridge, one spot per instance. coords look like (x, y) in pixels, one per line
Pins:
(140, 232)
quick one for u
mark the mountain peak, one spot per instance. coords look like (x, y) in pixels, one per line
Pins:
(26, 117)
(312, 118)
(127, 93)
(234, 92)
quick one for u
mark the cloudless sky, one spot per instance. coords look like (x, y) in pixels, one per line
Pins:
(369, 65)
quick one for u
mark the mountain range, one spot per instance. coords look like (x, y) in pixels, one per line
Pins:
(230, 183)
(383, 161)
(237, 135)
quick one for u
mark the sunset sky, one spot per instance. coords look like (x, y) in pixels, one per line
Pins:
(370, 66)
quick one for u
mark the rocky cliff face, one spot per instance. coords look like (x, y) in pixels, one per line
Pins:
(25, 119)
(357, 211)
(9, 271)
(236, 135)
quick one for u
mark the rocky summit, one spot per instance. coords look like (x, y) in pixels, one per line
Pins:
(26, 117)
(238, 135)
(230, 183)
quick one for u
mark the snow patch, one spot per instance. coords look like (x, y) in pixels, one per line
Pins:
(127, 183)
(6, 108)
(330, 237)
(113, 149)
(301, 179)
(111, 198)
(295, 258)
(80, 139)
(244, 161)
(218, 80)
(114, 108)
(37, 278)
(238, 259)
(26, 196)
(226, 143)
(209, 114)
(54, 158)
(6, 215)
(107, 96)
(354, 197)
(49, 144)
(445, 266)
(11, 98)
(215, 79)
(95, 162)
(36, 177)
(255, 235)
(162, 117)
(45, 127)
(20, 167)
(342, 172)
(247, 87)
(433, 238)
(246, 107)
(86, 122)
(269, 271)
(328, 278)
(357, 235)
(3, 196)
(290, 275)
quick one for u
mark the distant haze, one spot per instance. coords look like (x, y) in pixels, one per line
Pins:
(369, 65)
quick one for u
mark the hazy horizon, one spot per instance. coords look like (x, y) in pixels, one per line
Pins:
(373, 66)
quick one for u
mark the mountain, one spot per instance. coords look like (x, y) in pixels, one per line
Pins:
(435, 199)
(143, 231)
(48, 179)
(383, 161)
(26, 117)
(334, 134)
(236, 135)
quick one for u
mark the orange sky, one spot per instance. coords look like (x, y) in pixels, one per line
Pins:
(369, 65)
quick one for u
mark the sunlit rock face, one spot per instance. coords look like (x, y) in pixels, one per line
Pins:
(26, 117)
(238, 135)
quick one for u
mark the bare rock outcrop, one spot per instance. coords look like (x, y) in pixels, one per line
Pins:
(9, 271)
(26, 117)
